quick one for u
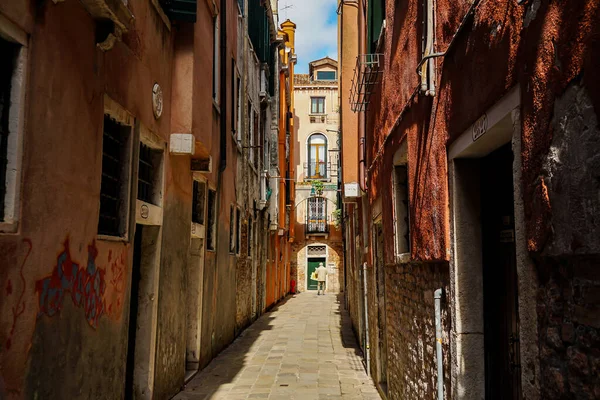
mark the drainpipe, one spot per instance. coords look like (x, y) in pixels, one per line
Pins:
(223, 85)
(438, 343)
(367, 349)
(362, 117)
(427, 69)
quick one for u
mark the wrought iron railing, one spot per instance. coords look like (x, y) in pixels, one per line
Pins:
(316, 224)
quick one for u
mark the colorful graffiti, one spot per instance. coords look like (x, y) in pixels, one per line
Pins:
(86, 286)
(117, 284)
(19, 308)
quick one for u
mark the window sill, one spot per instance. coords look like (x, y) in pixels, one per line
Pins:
(108, 238)
(9, 227)
(403, 258)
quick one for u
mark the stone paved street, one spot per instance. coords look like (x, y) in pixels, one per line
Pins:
(303, 349)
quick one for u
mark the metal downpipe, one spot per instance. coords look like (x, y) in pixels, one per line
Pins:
(437, 295)
(367, 348)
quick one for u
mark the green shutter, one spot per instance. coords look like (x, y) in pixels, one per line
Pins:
(180, 10)
(376, 15)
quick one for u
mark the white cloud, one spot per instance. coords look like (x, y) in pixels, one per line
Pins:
(316, 32)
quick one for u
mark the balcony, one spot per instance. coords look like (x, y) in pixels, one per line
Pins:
(316, 225)
(316, 216)
(324, 119)
(367, 74)
(319, 170)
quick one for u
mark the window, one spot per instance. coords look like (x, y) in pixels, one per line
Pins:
(212, 219)
(12, 95)
(316, 218)
(114, 188)
(250, 238)
(149, 175)
(255, 140)
(317, 105)
(376, 15)
(233, 96)
(216, 58)
(198, 200)
(326, 75)
(241, 4)
(251, 133)
(401, 209)
(238, 231)
(317, 150)
(238, 99)
(231, 230)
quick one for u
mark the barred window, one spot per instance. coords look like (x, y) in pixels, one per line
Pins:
(198, 202)
(114, 193)
(212, 218)
(238, 231)
(149, 180)
(9, 184)
(401, 209)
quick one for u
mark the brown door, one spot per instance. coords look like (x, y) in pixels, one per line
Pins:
(501, 318)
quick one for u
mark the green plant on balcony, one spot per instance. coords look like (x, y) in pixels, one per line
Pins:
(317, 188)
(337, 217)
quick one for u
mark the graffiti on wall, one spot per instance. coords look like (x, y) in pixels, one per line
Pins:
(86, 286)
(117, 284)
(19, 308)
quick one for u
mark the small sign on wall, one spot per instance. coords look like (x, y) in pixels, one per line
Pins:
(351, 189)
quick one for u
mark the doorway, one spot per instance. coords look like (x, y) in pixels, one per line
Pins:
(500, 292)
(195, 280)
(312, 265)
(143, 311)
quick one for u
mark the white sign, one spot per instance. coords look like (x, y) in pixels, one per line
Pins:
(351, 190)
(182, 143)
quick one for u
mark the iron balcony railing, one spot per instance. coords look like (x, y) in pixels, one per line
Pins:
(316, 225)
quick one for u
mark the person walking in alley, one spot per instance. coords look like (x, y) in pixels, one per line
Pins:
(321, 278)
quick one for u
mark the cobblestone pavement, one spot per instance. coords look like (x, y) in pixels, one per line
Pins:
(303, 349)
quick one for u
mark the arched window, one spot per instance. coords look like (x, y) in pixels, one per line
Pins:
(317, 156)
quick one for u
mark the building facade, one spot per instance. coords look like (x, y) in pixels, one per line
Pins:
(469, 140)
(134, 137)
(317, 233)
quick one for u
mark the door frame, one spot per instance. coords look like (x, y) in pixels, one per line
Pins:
(499, 125)
(306, 257)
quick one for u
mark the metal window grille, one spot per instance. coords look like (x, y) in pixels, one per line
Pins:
(316, 219)
(147, 174)
(317, 250)
(212, 214)
(112, 205)
(9, 52)
(198, 201)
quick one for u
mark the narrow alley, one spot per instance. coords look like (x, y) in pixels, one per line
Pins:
(303, 349)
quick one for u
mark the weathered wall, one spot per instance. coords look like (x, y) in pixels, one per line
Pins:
(58, 341)
(548, 49)
(411, 330)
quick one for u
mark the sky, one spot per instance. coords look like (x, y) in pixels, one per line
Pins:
(316, 32)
